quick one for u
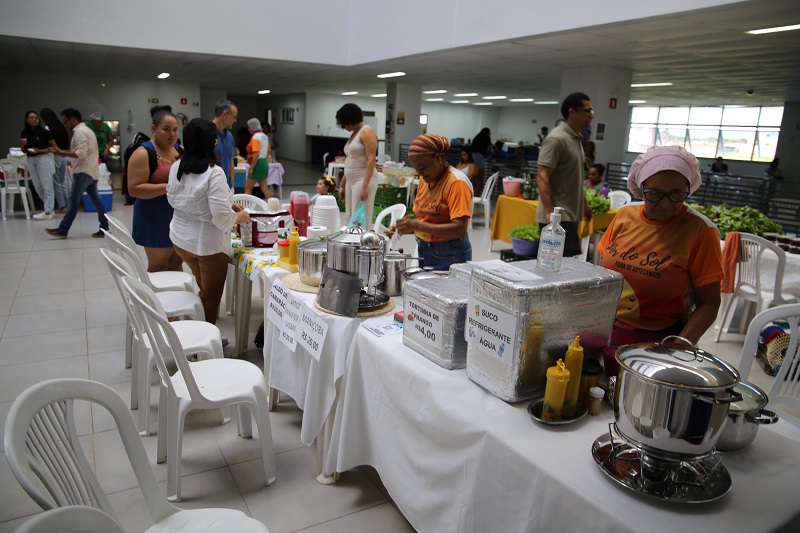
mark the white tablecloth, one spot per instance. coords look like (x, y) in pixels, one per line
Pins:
(455, 458)
(311, 383)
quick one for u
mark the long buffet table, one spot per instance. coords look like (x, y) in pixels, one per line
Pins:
(455, 458)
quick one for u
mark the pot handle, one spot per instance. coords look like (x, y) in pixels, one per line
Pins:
(734, 397)
(762, 416)
(698, 356)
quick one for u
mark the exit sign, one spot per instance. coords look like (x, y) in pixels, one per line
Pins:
(152, 100)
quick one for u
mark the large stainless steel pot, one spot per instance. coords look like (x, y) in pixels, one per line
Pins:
(311, 256)
(357, 252)
(744, 417)
(672, 403)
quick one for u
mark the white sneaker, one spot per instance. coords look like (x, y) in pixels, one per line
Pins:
(43, 216)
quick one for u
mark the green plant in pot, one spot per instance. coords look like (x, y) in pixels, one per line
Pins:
(525, 239)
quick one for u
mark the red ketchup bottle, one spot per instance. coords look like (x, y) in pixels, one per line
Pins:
(300, 211)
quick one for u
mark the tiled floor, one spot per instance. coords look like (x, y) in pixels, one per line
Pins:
(61, 316)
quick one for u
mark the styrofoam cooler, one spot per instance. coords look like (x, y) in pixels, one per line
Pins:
(435, 312)
(521, 319)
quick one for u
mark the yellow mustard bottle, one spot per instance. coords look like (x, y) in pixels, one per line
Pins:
(294, 240)
(574, 363)
(554, 391)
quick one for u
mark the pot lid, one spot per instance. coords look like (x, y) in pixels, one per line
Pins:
(691, 368)
(313, 245)
(350, 236)
(753, 398)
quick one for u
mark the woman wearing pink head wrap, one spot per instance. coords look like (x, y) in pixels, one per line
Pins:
(442, 206)
(668, 254)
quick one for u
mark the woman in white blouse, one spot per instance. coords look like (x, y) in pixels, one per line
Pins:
(204, 213)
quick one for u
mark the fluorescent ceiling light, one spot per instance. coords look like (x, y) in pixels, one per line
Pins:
(437, 91)
(661, 84)
(637, 101)
(434, 99)
(774, 30)
(264, 91)
(349, 93)
(482, 103)
(521, 100)
(391, 74)
(465, 94)
(546, 103)
(378, 95)
(495, 97)
(459, 101)
(163, 75)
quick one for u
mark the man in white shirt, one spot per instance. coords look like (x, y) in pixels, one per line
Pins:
(85, 173)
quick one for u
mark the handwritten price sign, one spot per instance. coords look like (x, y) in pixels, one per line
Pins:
(291, 322)
(313, 332)
(276, 303)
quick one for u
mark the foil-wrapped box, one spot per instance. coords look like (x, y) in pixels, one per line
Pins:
(520, 320)
(435, 311)
(462, 271)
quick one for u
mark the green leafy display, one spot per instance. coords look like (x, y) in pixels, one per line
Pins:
(742, 219)
(598, 202)
(529, 233)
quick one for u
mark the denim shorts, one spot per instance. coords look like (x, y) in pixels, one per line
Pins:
(441, 254)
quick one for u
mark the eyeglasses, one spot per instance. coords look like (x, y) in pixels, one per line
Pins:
(588, 110)
(655, 196)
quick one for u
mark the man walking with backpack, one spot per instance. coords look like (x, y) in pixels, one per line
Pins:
(85, 173)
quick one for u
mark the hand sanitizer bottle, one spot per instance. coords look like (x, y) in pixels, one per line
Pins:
(551, 243)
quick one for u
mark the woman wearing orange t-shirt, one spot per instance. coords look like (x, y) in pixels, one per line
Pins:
(669, 254)
(442, 206)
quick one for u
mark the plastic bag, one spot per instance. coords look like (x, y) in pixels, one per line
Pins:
(359, 216)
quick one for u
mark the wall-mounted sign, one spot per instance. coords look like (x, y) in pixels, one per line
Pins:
(152, 100)
(184, 101)
(401, 118)
(612, 103)
(287, 115)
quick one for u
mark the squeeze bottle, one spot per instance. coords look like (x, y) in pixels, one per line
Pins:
(551, 243)
(554, 391)
(294, 240)
(574, 362)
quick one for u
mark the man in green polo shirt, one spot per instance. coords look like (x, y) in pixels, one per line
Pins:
(103, 133)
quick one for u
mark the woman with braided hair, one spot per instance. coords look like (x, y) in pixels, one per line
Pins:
(443, 206)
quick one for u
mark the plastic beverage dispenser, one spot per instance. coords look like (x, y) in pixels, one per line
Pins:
(300, 211)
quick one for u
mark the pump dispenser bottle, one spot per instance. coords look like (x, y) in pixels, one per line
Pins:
(551, 243)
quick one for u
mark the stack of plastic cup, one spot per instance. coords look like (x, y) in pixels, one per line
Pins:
(326, 213)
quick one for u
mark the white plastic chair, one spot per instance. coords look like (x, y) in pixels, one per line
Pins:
(325, 161)
(12, 187)
(71, 519)
(786, 386)
(395, 212)
(161, 281)
(250, 202)
(485, 199)
(197, 337)
(208, 384)
(45, 455)
(619, 199)
(748, 281)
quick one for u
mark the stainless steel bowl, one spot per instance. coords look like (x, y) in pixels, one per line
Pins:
(311, 259)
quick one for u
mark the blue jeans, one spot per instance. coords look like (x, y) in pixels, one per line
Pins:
(41, 168)
(440, 255)
(81, 183)
(59, 189)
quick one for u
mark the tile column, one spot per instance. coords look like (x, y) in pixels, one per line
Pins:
(609, 90)
(403, 105)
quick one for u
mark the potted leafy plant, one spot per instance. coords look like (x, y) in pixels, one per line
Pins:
(525, 239)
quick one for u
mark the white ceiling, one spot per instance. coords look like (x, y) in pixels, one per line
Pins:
(705, 54)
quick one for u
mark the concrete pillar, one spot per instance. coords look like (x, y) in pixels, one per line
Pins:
(609, 90)
(403, 105)
(789, 142)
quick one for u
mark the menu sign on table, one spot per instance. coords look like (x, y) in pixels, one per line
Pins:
(292, 315)
(276, 303)
(421, 323)
(491, 330)
(313, 330)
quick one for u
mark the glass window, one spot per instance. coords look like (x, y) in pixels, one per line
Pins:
(703, 141)
(766, 144)
(646, 115)
(674, 115)
(641, 137)
(702, 116)
(672, 135)
(737, 143)
(771, 116)
(740, 116)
